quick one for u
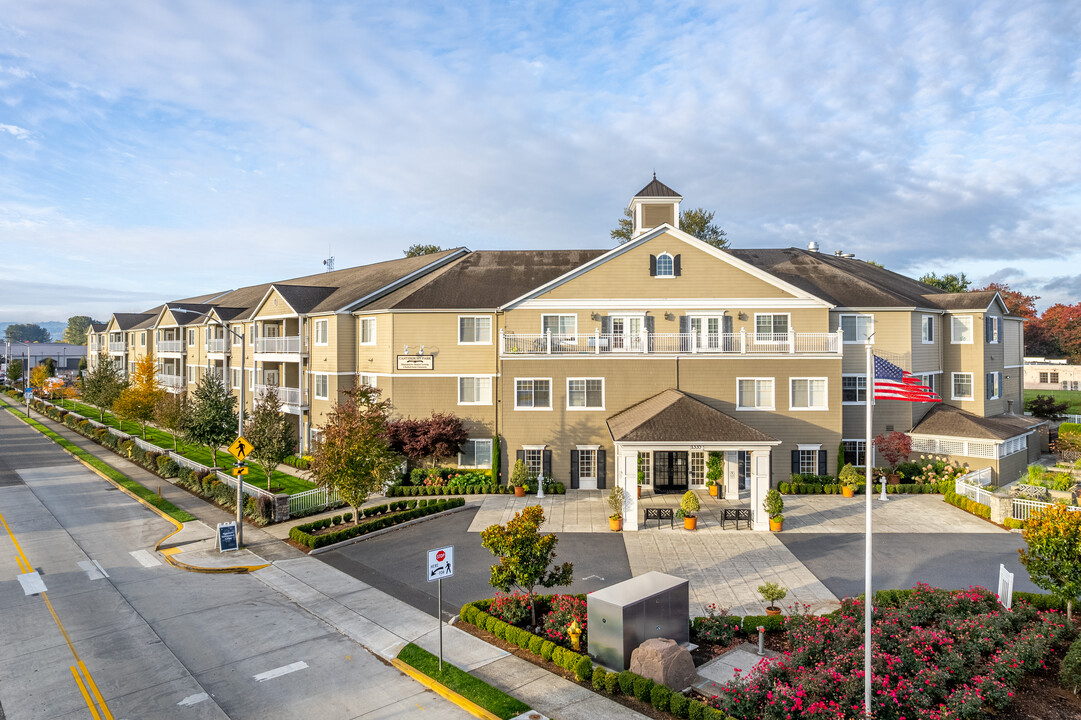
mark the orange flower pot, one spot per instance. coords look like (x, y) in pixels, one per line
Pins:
(616, 524)
(690, 523)
(847, 491)
(519, 491)
(713, 490)
(775, 526)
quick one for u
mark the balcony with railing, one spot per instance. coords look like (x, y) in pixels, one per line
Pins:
(741, 343)
(173, 383)
(170, 346)
(291, 399)
(118, 347)
(285, 345)
(216, 345)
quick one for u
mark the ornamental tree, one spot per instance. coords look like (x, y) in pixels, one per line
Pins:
(353, 455)
(1053, 536)
(38, 375)
(103, 385)
(269, 433)
(15, 371)
(212, 419)
(895, 447)
(1044, 406)
(171, 413)
(428, 441)
(136, 402)
(525, 556)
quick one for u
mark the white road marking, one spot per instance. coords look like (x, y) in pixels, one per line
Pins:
(32, 583)
(90, 569)
(107, 574)
(193, 699)
(145, 559)
(278, 672)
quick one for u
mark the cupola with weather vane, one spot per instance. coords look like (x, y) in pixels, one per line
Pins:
(653, 206)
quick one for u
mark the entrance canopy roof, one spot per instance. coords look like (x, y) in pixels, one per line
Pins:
(674, 417)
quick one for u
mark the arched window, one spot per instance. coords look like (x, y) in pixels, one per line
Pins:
(665, 266)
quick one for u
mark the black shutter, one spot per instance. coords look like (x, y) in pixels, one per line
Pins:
(795, 462)
(653, 266)
(520, 455)
(546, 464)
(676, 266)
(602, 469)
(574, 469)
(822, 463)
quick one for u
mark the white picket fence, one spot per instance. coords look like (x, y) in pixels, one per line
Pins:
(317, 499)
(971, 491)
(1022, 509)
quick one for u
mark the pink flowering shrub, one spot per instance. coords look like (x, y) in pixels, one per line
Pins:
(937, 655)
(564, 609)
(513, 608)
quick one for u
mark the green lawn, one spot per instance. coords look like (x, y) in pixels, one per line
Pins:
(491, 699)
(1073, 397)
(145, 493)
(283, 482)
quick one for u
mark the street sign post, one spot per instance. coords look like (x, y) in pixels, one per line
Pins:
(440, 565)
(240, 449)
(227, 539)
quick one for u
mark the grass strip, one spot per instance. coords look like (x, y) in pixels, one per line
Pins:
(491, 699)
(118, 477)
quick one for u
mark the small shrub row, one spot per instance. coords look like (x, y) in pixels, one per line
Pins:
(303, 537)
(300, 463)
(443, 476)
(555, 488)
(797, 488)
(579, 664)
(968, 505)
(661, 697)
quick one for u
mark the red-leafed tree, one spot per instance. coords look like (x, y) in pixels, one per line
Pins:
(895, 447)
(428, 440)
(1062, 324)
(1017, 303)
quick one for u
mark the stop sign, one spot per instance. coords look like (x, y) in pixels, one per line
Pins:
(440, 556)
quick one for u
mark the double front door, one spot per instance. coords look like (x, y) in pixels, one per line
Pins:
(670, 471)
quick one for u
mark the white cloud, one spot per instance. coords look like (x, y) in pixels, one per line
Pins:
(18, 132)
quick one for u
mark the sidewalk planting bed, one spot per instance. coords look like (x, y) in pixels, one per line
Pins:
(327, 532)
(491, 699)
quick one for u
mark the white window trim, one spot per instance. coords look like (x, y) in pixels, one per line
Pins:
(371, 379)
(671, 257)
(315, 331)
(251, 380)
(476, 342)
(754, 330)
(557, 315)
(924, 319)
(534, 447)
(233, 373)
(772, 394)
(596, 460)
(235, 335)
(475, 441)
(360, 331)
(791, 395)
(458, 383)
(191, 337)
(971, 330)
(604, 395)
(870, 335)
(853, 402)
(315, 386)
(856, 440)
(533, 408)
(998, 329)
(953, 386)
(998, 385)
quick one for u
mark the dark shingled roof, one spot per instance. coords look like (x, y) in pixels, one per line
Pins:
(484, 279)
(98, 327)
(188, 318)
(304, 298)
(657, 189)
(127, 321)
(849, 282)
(672, 416)
(228, 313)
(948, 421)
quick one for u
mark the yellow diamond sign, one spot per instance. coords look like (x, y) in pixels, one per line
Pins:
(240, 448)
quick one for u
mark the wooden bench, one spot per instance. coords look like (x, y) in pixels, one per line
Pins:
(659, 514)
(736, 514)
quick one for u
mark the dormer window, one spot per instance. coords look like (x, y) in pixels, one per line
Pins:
(664, 265)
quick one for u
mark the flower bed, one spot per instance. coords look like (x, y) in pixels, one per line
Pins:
(393, 514)
(937, 654)
(553, 488)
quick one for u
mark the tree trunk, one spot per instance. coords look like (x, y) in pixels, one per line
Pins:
(174, 442)
(1069, 612)
(356, 514)
(533, 606)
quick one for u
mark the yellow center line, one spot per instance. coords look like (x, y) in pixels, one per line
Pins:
(24, 564)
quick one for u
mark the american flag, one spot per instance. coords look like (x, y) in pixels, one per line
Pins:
(893, 383)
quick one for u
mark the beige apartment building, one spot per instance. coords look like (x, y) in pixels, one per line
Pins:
(591, 364)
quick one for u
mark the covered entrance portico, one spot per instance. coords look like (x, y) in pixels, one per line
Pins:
(668, 440)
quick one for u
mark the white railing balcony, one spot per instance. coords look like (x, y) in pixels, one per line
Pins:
(215, 345)
(117, 347)
(172, 382)
(288, 396)
(171, 346)
(741, 343)
(287, 344)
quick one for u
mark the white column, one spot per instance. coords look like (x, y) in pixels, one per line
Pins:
(627, 478)
(759, 487)
(731, 475)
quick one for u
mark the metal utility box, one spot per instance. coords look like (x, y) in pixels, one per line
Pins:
(623, 616)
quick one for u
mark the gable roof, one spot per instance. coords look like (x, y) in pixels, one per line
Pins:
(948, 421)
(673, 416)
(483, 279)
(128, 321)
(97, 327)
(657, 189)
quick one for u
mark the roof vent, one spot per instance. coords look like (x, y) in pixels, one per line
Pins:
(812, 246)
(843, 254)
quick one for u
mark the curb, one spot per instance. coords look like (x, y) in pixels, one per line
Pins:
(436, 686)
(368, 536)
(176, 523)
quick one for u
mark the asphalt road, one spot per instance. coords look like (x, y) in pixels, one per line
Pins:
(396, 562)
(902, 560)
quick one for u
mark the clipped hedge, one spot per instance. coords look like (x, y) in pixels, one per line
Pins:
(968, 505)
(301, 533)
(555, 488)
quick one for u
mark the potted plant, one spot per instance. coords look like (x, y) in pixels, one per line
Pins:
(895, 447)
(774, 506)
(714, 474)
(519, 476)
(641, 475)
(771, 592)
(688, 509)
(615, 504)
(850, 480)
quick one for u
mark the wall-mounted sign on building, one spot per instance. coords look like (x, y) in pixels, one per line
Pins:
(416, 362)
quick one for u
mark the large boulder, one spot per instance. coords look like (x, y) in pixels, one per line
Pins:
(664, 661)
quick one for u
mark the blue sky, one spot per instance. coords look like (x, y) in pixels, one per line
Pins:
(153, 150)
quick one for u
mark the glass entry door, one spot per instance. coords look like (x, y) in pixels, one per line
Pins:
(627, 333)
(670, 471)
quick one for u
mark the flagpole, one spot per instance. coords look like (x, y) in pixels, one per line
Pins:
(867, 604)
